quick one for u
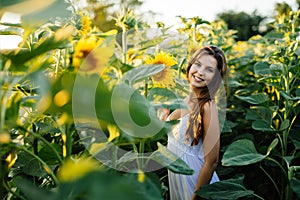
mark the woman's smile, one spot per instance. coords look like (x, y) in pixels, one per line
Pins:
(202, 71)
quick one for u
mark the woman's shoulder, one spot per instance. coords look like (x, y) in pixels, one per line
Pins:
(210, 106)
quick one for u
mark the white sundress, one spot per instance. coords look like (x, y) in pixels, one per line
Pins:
(182, 186)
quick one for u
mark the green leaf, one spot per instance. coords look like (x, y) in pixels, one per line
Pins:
(261, 68)
(287, 97)
(262, 117)
(47, 154)
(150, 43)
(228, 125)
(295, 184)
(226, 189)
(255, 98)
(296, 143)
(272, 146)
(140, 73)
(14, 24)
(11, 31)
(161, 94)
(234, 83)
(271, 80)
(261, 125)
(133, 113)
(277, 67)
(173, 104)
(260, 113)
(107, 185)
(288, 160)
(32, 191)
(297, 51)
(21, 57)
(5, 3)
(30, 165)
(171, 161)
(12, 110)
(95, 185)
(241, 152)
(29, 101)
(284, 125)
(274, 35)
(58, 8)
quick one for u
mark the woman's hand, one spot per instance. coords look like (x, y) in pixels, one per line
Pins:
(163, 113)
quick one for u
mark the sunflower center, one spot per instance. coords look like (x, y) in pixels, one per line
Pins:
(160, 76)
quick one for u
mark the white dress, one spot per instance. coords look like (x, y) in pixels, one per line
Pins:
(181, 186)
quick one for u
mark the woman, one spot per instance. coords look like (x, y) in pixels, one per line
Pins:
(196, 138)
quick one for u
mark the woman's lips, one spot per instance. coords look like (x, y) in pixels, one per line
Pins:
(198, 79)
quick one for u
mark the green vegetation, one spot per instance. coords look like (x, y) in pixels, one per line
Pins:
(79, 91)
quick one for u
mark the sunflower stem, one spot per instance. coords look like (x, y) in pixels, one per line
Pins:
(124, 44)
(45, 166)
(141, 152)
(146, 88)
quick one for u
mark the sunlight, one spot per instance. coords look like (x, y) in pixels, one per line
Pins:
(9, 41)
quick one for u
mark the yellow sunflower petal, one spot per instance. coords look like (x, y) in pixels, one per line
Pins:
(74, 169)
(165, 78)
(92, 54)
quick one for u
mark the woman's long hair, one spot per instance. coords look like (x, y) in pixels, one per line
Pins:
(204, 94)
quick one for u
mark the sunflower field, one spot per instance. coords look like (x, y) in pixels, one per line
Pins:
(78, 106)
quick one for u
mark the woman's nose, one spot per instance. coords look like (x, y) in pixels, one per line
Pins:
(200, 70)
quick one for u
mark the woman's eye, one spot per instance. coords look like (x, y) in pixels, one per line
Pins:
(210, 70)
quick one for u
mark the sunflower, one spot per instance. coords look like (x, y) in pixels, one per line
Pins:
(83, 24)
(91, 54)
(165, 78)
(83, 52)
(73, 169)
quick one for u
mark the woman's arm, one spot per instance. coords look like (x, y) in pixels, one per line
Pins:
(163, 113)
(211, 144)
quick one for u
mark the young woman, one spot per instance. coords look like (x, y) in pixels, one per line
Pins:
(196, 138)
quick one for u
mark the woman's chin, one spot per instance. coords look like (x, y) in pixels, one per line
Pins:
(198, 86)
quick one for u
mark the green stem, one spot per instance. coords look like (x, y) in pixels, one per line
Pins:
(284, 175)
(277, 189)
(194, 32)
(35, 141)
(45, 166)
(65, 58)
(57, 63)
(280, 166)
(180, 67)
(146, 88)
(6, 186)
(258, 196)
(135, 148)
(115, 157)
(281, 144)
(43, 140)
(285, 138)
(124, 44)
(5, 93)
(68, 141)
(141, 152)
(136, 151)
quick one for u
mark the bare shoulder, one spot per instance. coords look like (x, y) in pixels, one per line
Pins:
(210, 106)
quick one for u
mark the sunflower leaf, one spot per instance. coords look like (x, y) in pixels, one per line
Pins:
(140, 73)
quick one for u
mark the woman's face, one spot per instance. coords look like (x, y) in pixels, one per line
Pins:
(202, 71)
